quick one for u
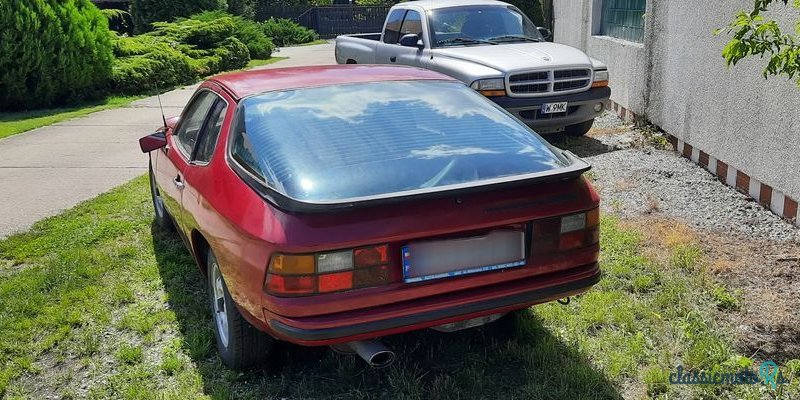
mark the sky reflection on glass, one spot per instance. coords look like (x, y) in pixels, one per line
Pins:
(338, 142)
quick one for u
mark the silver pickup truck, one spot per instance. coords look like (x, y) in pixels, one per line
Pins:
(493, 47)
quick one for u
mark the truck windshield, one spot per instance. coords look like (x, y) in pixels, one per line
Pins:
(479, 25)
(340, 143)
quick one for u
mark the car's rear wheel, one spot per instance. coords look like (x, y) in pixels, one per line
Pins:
(162, 217)
(240, 345)
(579, 129)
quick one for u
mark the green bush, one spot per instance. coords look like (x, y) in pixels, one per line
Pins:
(247, 31)
(285, 32)
(146, 12)
(177, 53)
(146, 63)
(52, 52)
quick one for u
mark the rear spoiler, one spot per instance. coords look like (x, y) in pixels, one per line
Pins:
(575, 168)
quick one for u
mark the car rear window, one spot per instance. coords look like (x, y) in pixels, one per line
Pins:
(358, 141)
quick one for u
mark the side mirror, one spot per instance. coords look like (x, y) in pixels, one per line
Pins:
(153, 141)
(548, 36)
(412, 40)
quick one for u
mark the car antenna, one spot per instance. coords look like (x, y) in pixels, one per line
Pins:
(161, 107)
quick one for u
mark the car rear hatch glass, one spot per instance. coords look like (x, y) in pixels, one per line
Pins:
(358, 142)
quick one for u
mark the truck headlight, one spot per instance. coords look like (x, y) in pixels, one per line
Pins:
(600, 78)
(490, 87)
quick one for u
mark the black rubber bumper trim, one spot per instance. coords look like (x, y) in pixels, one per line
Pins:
(593, 94)
(352, 330)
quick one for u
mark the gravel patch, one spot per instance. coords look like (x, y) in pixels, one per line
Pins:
(635, 178)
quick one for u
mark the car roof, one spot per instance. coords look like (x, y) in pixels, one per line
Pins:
(246, 83)
(437, 4)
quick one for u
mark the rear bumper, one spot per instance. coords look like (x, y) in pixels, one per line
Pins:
(580, 108)
(433, 311)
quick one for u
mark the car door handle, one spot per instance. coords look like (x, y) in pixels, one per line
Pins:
(393, 58)
(179, 183)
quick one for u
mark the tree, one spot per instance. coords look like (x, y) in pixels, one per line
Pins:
(52, 52)
(753, 35)
(531, 8)
(145, 12)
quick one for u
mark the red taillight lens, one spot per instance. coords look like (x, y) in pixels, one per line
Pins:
(302, 275)
(291, 285)
(568, 232)
(370, 256)
(336, 282)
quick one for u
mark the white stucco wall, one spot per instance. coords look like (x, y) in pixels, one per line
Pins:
(678, 80)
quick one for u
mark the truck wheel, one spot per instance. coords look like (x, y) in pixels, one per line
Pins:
(162, 217)
(579, 129)
(351, 61)
(240, 345)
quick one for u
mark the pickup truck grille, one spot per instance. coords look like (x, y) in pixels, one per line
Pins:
(548, 82)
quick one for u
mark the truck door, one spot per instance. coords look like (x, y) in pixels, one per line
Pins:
(398, 24)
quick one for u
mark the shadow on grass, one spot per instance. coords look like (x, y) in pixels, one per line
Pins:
(515, 357)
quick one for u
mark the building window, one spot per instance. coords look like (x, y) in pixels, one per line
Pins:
(624, 19)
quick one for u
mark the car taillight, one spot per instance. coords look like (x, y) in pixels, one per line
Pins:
(302, 275)
(568, 232)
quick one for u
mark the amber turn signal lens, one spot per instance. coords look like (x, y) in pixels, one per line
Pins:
(493, 93)
(292, 265)
(599, 84)
(593, 217)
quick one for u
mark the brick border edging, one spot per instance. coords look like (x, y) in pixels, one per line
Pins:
(769, 197)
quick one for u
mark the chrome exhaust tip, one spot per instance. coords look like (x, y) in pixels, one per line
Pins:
(371, 351)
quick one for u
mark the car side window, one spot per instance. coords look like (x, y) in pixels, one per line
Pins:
(241, 148)
(392, 33)
(192, 121)
(412, 24)
(208, 140)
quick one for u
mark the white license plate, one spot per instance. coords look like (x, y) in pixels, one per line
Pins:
(552, 108)
(436, 259)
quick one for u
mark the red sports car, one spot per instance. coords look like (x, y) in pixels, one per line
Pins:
(334, 205)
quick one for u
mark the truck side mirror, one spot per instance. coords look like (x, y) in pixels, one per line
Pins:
(548, 36)
(412, 40)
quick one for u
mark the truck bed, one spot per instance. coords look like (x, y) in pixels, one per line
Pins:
(368, 36)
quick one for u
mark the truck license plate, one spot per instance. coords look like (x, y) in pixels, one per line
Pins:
(552, 108)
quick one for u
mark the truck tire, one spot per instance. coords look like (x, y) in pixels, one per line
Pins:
(351, 61)
(579, 129)
(240, 345)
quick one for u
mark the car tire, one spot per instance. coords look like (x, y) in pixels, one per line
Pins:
(240, 345)
(163, 218)
(579, 129)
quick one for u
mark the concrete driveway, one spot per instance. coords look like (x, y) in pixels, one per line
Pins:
(50, 169)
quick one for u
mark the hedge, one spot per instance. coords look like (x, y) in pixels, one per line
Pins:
(247, 31)
(176, 53)
(52, 52)
(285, 32)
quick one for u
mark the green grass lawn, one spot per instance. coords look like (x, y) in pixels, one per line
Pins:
(12, 123)
(99, 303)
